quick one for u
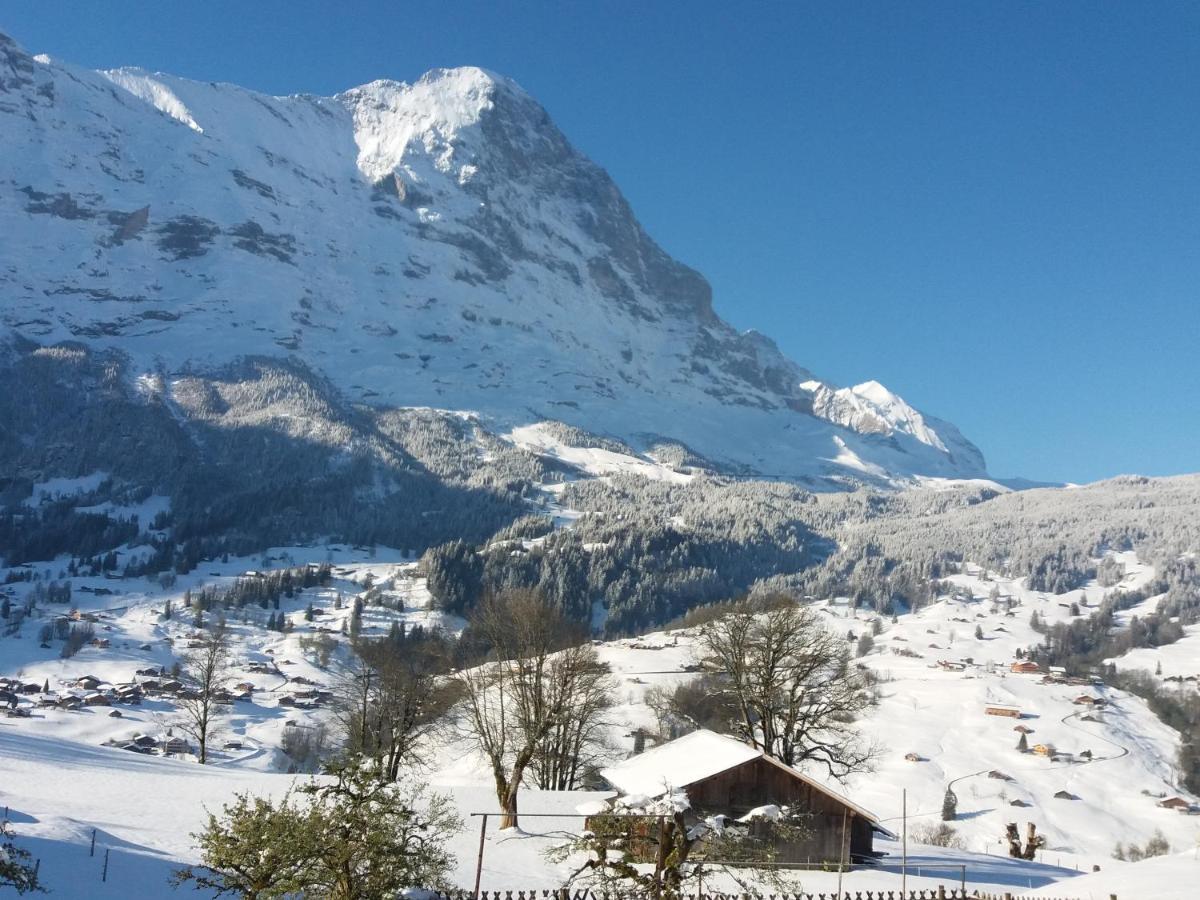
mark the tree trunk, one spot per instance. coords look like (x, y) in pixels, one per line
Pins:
(508, 806)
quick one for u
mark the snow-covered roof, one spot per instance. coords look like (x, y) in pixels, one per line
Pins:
(678, 763)
(695, 757)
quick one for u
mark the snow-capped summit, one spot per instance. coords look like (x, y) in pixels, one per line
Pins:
(870, 408)
(439, 243)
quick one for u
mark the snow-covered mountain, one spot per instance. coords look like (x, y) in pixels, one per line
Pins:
(433, 244)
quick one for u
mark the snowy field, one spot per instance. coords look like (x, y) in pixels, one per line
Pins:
(61, 778)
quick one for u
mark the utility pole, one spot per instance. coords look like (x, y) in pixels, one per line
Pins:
(479, 861)
(843, 854)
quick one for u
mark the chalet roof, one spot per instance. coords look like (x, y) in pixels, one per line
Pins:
(695, 757)
(1175, 803)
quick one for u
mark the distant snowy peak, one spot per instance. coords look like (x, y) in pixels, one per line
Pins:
(870, 408)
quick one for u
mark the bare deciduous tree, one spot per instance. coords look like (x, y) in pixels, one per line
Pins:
(528, 694)
(203, 672)
(392, 695)
(796, 692)
(580, 685)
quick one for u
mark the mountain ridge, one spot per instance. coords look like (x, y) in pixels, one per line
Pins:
(435, 244)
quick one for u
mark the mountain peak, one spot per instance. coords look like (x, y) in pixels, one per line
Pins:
(437, 243)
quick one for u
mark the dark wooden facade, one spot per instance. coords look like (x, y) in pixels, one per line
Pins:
(837, 831)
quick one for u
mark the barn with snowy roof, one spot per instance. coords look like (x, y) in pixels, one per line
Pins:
(723, 776)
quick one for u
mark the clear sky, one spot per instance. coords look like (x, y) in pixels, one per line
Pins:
(993, 208)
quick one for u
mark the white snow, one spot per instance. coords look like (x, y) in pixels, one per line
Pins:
(146, 87)
(57, 488)
(675, 765)
(592, 460)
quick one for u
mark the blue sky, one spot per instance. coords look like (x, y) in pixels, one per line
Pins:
(993, 208)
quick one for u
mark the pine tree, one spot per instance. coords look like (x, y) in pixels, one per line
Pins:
(1023, 743)
(979, 632)
(950, 805)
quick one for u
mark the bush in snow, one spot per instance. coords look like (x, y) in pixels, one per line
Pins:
(15, 868)
(353, 837)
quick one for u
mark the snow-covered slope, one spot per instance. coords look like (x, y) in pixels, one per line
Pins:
(430, 244)
(61, 781)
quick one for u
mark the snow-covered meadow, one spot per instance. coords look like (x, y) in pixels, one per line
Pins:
(61, 777)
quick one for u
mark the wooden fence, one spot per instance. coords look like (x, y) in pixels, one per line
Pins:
(938, 893)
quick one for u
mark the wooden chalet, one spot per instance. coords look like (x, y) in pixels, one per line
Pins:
(1177, 803)
(723, 776)
(174, 745)
(1025, 667)
(996, 709)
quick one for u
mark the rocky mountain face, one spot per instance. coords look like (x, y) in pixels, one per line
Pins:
(437, 244)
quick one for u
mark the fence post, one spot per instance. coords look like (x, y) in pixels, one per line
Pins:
(92, 852)
(941, 893)
(104, 873)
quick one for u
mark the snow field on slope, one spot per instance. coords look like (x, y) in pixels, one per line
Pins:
(145, 806)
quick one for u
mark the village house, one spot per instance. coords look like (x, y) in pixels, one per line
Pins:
(723, 776)
(1176, 803)
(1088, 700)
(176, 745)
(1011, 712)
(1025, 667)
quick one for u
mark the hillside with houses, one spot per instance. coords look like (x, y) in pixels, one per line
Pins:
(957, 707)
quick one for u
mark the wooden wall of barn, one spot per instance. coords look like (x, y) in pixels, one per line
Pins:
(757, 783)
